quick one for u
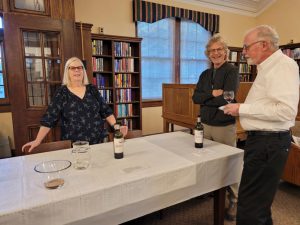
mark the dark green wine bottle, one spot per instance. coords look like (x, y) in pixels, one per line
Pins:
(198, 133)
(118, 142)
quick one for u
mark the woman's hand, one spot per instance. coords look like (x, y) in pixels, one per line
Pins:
(31, 146)
(124, 130)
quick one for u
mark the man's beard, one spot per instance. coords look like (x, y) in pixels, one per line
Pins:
(250, 61)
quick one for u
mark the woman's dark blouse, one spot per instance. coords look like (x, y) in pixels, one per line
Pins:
(81, 119)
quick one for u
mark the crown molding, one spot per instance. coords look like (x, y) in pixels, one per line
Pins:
(251, 8)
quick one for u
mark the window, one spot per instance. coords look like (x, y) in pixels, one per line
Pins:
(42, 62)
(30, 6)
(193, 39)
(4, 100)
(159, 56)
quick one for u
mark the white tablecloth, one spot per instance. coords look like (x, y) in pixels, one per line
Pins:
(157, 171)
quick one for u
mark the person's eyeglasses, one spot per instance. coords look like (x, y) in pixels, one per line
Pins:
(247, 47)
(74, 68)
(218, 50)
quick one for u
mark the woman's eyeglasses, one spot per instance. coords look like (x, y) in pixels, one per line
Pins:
(74, 68)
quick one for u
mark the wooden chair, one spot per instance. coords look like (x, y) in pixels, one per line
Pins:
(291, 171)
(51, 146)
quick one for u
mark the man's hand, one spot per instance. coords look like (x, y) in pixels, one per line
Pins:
(232, 109)
(124, 130)
(217, 92)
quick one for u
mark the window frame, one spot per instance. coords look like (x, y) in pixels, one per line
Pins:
(176, 66)
(4, 102)
(45, 13)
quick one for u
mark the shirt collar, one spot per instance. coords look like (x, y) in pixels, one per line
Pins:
(269, 61)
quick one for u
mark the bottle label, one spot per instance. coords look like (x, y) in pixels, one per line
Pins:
(198, 134)
(118, 145)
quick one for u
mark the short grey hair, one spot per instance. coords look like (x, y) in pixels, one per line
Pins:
(216, 38)
(66, 80)
(266, 32)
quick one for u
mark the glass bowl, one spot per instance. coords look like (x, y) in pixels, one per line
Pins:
(52, 172)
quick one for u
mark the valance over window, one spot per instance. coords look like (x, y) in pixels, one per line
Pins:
(150, 12)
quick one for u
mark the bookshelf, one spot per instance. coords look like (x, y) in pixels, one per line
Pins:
(116, 66)
(247, 72)
(292, 50)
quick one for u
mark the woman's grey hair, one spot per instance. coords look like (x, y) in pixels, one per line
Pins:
(266, 33)
(216, 38)
(66, 80)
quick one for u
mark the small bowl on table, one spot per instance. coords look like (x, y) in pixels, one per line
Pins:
(52, 172)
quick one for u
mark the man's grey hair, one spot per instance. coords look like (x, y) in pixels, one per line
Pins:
(216, 38)
(265, 32)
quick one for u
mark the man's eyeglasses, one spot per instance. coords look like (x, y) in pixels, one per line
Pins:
(247, 47)
(218, 50)
(74, 68)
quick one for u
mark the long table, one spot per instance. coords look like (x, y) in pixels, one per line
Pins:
(157, 171)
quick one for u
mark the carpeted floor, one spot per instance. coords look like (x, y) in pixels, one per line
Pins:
(197, 211)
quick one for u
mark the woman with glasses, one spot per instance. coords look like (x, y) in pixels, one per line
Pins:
(80, 108)
(222, 76)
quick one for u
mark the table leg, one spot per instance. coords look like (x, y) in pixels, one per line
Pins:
(219, 206)
(166, 126)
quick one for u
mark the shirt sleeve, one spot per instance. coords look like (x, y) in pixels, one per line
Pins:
(54, 109)
(282, 96)
(203, 96)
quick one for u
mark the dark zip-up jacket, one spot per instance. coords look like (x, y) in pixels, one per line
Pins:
(227, 79)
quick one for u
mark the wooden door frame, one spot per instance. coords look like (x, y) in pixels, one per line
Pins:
(13, 26)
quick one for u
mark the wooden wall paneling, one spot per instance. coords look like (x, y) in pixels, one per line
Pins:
(84, 53)
(62, 9)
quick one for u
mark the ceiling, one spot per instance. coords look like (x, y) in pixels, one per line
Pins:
(244, 7)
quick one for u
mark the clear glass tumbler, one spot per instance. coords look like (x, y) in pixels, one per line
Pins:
(81, 155)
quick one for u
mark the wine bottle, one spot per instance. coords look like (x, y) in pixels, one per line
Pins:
(118, 142)
(198, 133)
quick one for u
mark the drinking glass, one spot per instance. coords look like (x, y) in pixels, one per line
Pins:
(228, 96)
(81, 155)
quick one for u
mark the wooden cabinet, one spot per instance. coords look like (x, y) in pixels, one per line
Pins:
(247, 72)
(179, 108)
(291, 171)
(116, 66)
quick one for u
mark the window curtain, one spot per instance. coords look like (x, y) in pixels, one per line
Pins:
(150, 12)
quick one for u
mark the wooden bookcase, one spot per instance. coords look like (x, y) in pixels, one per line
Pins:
(293, 51)
(247, 72)
(116, 66)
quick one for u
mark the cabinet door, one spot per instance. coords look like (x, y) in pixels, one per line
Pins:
(35, 68)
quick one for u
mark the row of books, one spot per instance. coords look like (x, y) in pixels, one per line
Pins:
(97, 47)
(123, 80)
(127, 122)
(122, 49)
(233, 56)
(123, 95)
(97, 64)
(293, 53)
(245, 77)
(99, 80)
(124, 65)
(107, 95)
(244, 68)
(123, 110)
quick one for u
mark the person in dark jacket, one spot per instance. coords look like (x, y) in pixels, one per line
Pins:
(222, 76)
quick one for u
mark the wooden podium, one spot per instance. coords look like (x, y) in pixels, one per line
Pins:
(179, 109)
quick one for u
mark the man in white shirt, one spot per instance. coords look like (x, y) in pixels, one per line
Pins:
(267, 115)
